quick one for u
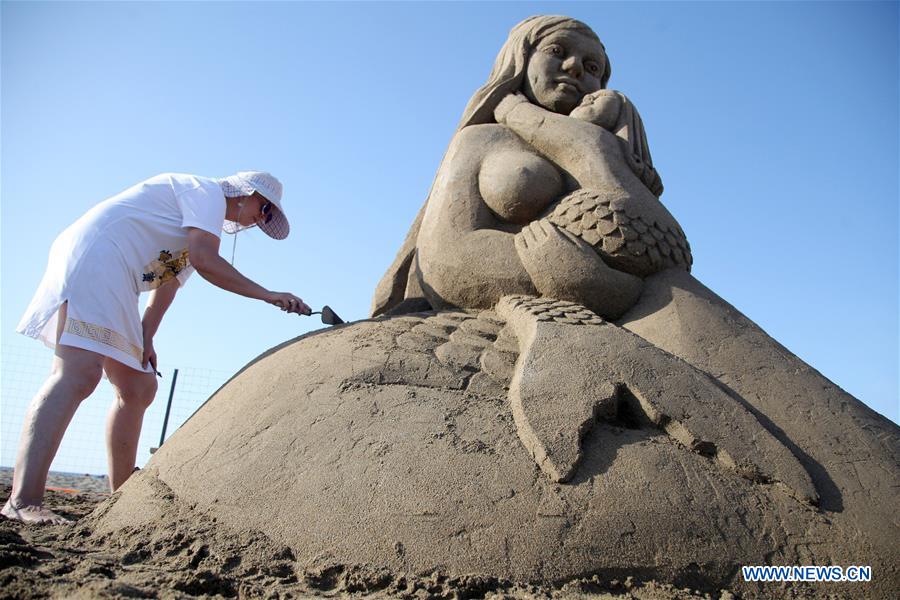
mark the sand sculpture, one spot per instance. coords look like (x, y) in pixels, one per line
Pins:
(544, 391)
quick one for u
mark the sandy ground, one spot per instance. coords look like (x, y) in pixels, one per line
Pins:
(66, 482)
(198, 559)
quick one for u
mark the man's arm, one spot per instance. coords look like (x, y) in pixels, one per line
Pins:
(160, 300)
(203, 248)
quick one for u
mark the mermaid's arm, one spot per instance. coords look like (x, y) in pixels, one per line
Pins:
(589, 153)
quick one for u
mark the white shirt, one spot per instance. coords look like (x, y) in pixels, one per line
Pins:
(148, 224)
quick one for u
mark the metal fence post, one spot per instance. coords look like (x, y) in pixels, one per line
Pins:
(162, 436)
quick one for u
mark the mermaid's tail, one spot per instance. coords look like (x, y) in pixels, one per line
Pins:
(575, 369)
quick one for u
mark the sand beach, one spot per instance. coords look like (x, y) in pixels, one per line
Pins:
(197, 558)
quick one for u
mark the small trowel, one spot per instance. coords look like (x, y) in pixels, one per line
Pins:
(329, 317)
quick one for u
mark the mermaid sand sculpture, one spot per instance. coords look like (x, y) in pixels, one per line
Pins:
(544, 391)
(558, 198)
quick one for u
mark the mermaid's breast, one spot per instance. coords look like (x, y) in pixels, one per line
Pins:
(635, 234)
(518, 185)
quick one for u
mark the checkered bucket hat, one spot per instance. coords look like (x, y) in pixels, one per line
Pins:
(244, 183)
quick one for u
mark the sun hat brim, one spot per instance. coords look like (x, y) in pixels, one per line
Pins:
(277, 227)
(248, 182)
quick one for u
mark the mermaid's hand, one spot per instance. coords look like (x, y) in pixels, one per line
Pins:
(554, 258)
(562, 265)
(507, 104)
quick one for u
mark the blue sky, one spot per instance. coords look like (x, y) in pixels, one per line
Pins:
(774, 127)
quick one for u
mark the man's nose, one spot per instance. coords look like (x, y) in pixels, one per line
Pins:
(573, 66)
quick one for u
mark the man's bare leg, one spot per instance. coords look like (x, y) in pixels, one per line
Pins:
(135, 391)
(73, 377)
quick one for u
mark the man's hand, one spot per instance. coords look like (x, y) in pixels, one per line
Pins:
(149, 354)
(288, 303)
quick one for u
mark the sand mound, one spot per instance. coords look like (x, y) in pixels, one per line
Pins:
(388, 450)
(193, 556)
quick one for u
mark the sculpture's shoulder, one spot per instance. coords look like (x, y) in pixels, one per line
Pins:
(475, 142)
(486, 136)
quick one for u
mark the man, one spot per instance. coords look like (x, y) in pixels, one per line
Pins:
(149, 238)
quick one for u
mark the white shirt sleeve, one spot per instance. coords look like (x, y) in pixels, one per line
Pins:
(203, 207)
(184, 275)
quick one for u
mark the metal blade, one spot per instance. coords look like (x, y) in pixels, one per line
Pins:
(329, 317)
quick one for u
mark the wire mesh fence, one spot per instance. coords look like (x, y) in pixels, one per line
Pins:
(25, 365)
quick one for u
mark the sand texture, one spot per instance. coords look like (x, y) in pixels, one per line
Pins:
(415, 445)
(191, 557)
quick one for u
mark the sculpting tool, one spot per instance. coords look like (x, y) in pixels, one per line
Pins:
(329, 317)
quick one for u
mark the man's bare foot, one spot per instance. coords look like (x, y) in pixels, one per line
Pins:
(32, 514)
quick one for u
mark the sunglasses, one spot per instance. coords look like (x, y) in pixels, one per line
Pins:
(266, 211)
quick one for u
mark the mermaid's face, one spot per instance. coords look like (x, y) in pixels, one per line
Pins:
(564, 67)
